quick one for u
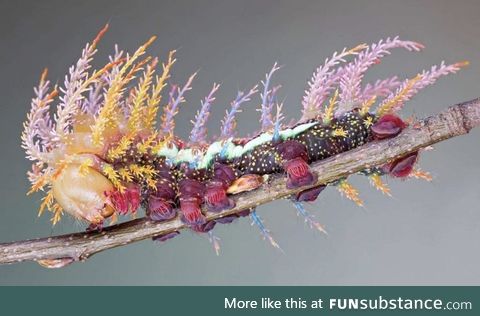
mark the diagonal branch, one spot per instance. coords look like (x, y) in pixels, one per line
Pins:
(61, 250)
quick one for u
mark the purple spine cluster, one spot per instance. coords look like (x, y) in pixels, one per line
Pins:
(176, 97)
(198, 134)
(228, 123)
(268, 99)
(350, 76)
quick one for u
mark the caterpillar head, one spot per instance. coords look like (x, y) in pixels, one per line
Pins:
(83, 193)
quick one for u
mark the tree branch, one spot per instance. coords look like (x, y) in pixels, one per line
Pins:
(61, 250)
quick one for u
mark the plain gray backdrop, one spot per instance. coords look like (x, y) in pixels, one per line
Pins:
(428, 233)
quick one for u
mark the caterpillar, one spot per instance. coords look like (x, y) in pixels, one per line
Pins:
(102, 154)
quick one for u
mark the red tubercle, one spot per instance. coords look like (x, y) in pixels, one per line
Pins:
(126, 201)
(216, 189)
(403, 166)
(160, 209)
(298, 173)
(224, 173)
(117, 201)
(216, 197)
(387, 126)
(160, 205)
(191, 188)
(215, 194)
(133, 196)
(191, 197)
(295, 157)
(191, 211)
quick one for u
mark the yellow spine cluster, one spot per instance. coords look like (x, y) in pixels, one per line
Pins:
(57, 213)
(85, 167)
(39, 183)
(146, 173)
(147, 144)
(347, 190)
(137, 112)
(339, 132)
(328, 115)
(121, 148)
(114, 92)
(125, 175)
(142, 171)
(156, 97)
(420, 174)
(391, 103)
(365, 107)
(47, 203)
(377, 182)
(113, 176)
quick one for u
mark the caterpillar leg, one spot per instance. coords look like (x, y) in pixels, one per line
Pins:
(126, 201)
(165, 237)
(95, 227)
(309, 195)
(230, 218)
(204, 228)
(295, 157)
(388, 126)
(161, 203)
(216, 197)
(191, 197)
(403, 166)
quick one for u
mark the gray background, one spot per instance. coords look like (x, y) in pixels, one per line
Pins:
(428, 233)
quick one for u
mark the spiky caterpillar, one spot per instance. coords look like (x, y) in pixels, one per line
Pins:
(102, 154)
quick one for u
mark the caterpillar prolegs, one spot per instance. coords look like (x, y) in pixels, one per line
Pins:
(101, 154)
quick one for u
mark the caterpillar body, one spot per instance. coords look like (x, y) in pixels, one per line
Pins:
(102, 154)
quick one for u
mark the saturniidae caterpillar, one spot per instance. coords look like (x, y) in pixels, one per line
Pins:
(102, 152)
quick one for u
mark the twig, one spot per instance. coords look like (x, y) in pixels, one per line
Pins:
(61, 250)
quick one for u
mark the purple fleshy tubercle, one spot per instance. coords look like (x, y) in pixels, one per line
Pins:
(309, 195)
(216, 189)
(203, 228)
(191, 197)
(165, 237)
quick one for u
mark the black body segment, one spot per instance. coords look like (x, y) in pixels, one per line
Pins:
(321, 141)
